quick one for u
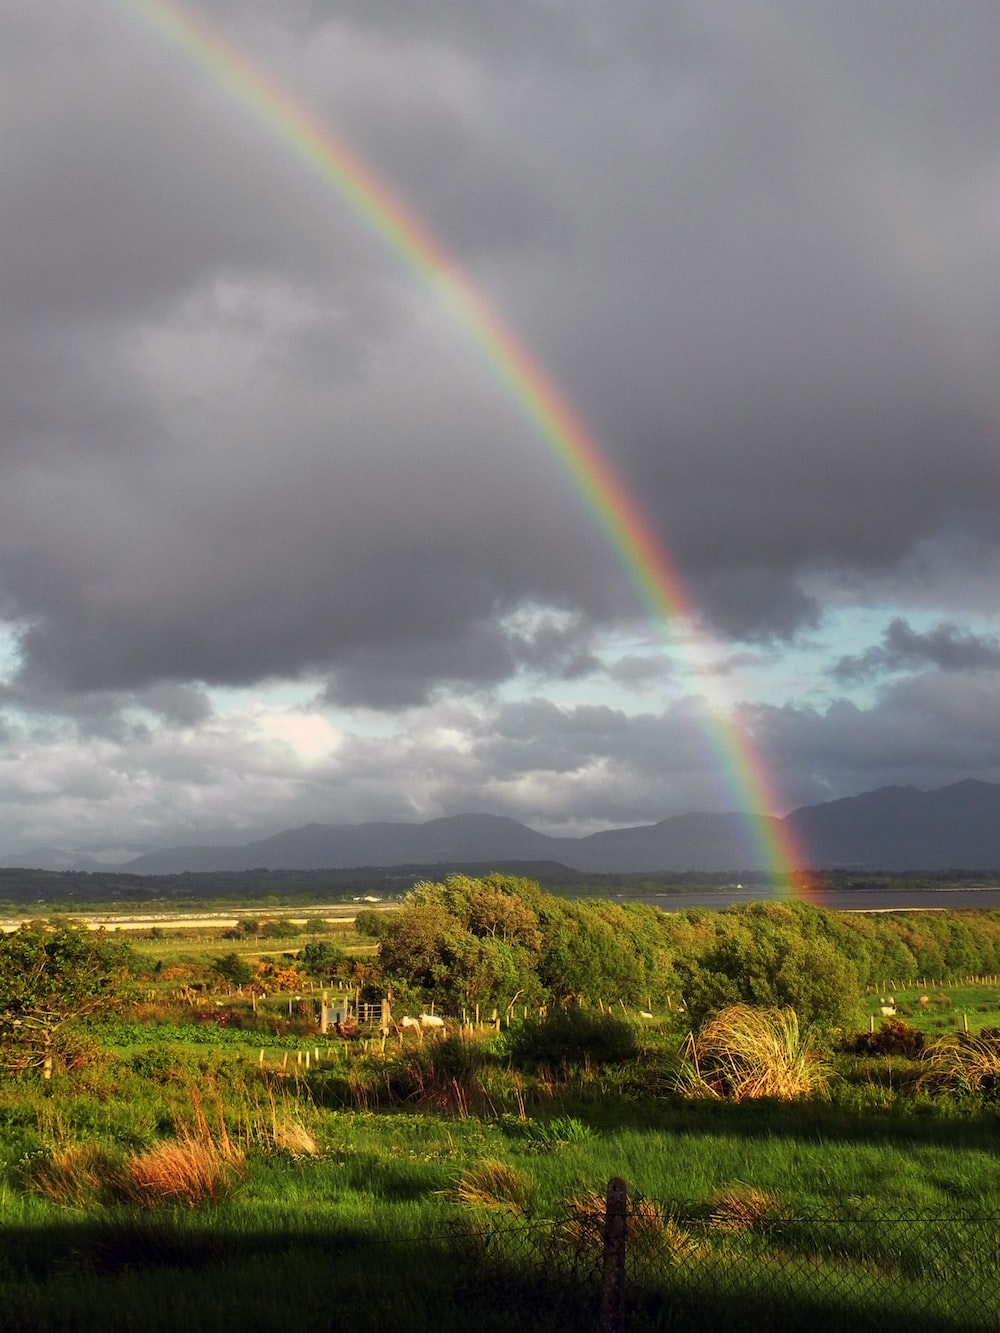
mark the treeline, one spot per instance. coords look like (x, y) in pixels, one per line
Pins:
(78, 890)
(501, 941)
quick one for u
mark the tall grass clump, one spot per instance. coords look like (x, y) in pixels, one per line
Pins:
(744, 1053)
(443, 1075)
(186, 1173)
(740, 1208)
(77, 1176)
(492, 1184)
(196, 1166)
(964, 1064)
(651, 1234)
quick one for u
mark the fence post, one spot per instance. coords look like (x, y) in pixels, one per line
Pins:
(613, 1281)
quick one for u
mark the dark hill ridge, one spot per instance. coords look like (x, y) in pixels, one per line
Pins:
(903, 828)
(894, 828)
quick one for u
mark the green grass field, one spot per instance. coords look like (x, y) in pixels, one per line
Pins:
(193, 1163)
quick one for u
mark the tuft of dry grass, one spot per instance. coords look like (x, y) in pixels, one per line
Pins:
(493, 1185)
(276, 1124)
(744, 1053)
(650, 1233)
(292, 1136)
(740, 1208)
(185, 1172)
(962, 1063)
(73, 1177)
(198, 1166)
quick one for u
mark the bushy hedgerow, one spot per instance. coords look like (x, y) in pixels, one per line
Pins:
(500, 942)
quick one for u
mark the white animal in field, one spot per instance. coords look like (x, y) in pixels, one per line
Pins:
(644, 1013)
(409, 1022)
(887, 1010)
(431, 1021)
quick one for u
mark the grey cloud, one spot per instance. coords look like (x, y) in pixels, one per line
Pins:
(920, 731)
(243, 442)
(639, 670)
(756, 365)
(905, 649)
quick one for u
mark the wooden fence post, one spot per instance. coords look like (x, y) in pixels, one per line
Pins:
(613, 1280)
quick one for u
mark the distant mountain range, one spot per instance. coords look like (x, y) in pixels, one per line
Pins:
(894, 828)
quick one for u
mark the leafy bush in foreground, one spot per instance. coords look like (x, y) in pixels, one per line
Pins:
(48, 976)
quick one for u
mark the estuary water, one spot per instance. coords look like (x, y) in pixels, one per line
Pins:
(839, 900)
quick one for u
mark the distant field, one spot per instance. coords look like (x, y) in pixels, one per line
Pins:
(187, 918)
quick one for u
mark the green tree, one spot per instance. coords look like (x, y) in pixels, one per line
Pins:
(764, 957)
(465, 942)
(321, 959)
(278, 928)
(234, 969)
(370, 923)
(49, 976)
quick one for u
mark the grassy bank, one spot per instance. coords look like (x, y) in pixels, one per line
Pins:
(368, 1184)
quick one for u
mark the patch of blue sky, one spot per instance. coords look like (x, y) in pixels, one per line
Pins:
(10, 652)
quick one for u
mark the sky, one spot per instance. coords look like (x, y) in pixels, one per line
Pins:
(277, 544)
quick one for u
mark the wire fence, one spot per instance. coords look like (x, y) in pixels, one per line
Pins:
(741, 1265)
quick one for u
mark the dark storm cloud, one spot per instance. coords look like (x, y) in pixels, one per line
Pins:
(241, 442)
(905, 649)
(921, 731)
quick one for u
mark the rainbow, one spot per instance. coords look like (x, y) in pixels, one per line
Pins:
(627, 531)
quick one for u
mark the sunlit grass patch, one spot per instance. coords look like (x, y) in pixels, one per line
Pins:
(187, 1173)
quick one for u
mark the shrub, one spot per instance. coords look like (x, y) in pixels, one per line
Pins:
(322, 959)
(573, 1035)
(893, 1038)
(277, 928)
(233, 969)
